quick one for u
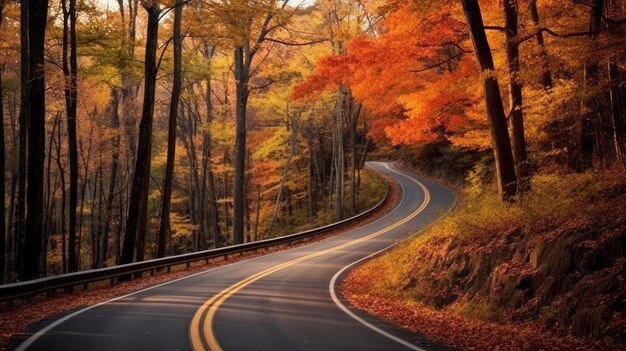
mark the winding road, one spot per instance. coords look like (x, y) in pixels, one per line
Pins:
(283, 301)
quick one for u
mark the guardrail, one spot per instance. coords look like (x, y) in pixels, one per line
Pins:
(49, 285)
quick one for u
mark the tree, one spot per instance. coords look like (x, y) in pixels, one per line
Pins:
(505, 170)
(3, 248)
(590, 119)
(244, 53)
(515, 94)
(165, 227)
(136, 222)
(70, 71)
(546, 74)
(37, 20)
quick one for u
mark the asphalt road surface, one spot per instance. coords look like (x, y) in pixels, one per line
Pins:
(283, 301)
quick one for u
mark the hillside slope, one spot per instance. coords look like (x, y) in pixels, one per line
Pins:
(548, 272)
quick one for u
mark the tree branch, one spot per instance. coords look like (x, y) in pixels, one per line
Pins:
(263, 86)
(566, 35)
(164, 12)
(296, 44)
(164, 46)
(439, 64)
(614, 21)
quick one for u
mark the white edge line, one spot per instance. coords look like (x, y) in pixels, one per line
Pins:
(337, 301)
(333, 295)
(26, 343)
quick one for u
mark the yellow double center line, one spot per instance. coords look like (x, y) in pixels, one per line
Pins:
(201, 334)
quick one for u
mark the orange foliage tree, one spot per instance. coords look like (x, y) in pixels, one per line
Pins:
(414, 78)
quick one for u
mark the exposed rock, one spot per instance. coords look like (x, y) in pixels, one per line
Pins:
(572, 279)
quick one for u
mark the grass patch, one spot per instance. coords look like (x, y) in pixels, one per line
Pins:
(479, 311)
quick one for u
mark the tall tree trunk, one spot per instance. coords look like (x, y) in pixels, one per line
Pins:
(37, 20)
(66, 263)
(248, 181)
(3, 246)
(164, 227)
(353, 118)
(258, 213)
(195, 205)
(206, 166)
(242, 70)
(617, 124)
(50, 198)
(136, 223)
(515, 95)
(103, 241)
(70, 71)
(115, 144)
(86, 162)
(24, 119)
(592, 78)
(546, 74)
(187, 132)
(129, 86)
(225, 207)
(339, 160)
(93, 231)
(501, 143)
(312, 198)
(292, 150)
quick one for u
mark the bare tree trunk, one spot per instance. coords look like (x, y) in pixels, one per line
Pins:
(115, 144)
(353, 118)
(136, 223)
(164, 227)
(515, 95)
(102, 235)
(49, 200)
(24, 118)
(590, 119)
(10, 243)
(247, 209)
(66, 261)
(93, 231)
(292, 150)
(617, 124)
(546, 75)
(86, 162)
(3, 246)
(206, 162)
(225, 207)
(339, 167)
(242, 70)
(258, 213)
(505, 170)
(129, 87)
(312, 198)
(70, 71)
(37, 20)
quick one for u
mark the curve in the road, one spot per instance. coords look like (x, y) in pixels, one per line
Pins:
(201, 333)
(280, 301)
